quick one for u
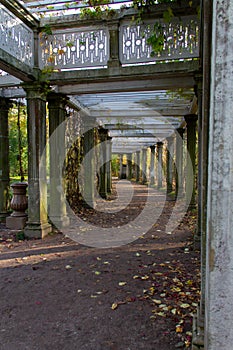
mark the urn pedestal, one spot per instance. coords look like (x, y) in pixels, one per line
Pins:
(19, 204)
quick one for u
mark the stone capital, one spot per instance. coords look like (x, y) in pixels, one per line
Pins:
(36, 90)
(57, 100)
(190, 118)
(180, 132)
(5, 104)
(159, 144)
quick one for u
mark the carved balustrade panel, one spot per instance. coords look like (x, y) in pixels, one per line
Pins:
(15, 37)
(75, 48)
(180, 40)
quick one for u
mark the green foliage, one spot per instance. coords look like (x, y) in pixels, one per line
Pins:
(156, 40)
(115, 165)
(47, 30)
(13, 140)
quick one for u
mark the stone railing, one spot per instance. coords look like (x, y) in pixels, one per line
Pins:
(110, 43)
(75, 48)
(92, 46)
(16, 38)
(181, 41)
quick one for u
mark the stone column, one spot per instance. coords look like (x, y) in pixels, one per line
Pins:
(159, 147)
(191, 124)
(109, 165)
(169, 163)
(103, 134)
(137, 166)
(152, 165)
(129, 170)
(37, 225)
(219, 269)
(179, 163)
(4, 159)
(121, 167)
(144, 165)
(89, 165)
(57, 153)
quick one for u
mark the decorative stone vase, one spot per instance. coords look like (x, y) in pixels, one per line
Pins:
(19, 202)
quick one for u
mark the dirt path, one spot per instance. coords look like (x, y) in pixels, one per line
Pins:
(58, 294)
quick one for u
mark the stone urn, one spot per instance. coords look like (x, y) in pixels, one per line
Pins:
(19, 204)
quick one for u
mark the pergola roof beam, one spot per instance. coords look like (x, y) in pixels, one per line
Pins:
(20, 11)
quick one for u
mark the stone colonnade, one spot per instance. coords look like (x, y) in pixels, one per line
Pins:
(48, 208)
(162, 156)
(172, 163)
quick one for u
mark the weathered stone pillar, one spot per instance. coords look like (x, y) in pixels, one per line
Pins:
(169, 163)
(179, 163)
(89, 165)
(144, 165)
(109, 164)
(103, 134)
(219, 269)
(191, 124)
(137, 166)
(37, 225)
(121, 167)
(159, 147)
(4, 159)
(152, 165)
(201, 160)
(57, 150)
(129, 170)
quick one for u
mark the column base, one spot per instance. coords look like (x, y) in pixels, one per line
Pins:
(89, 205)
(59, 222)
(16, 222)
(37, 230)
(198, 332)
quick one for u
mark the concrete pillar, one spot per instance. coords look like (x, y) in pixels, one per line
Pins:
(159, 147)
(137, 166)
(4, 159)
(89, 165)
(179, 162)
(219, 259)
(103, 134)
(144, 165)
(37, 225)
(129, 169)
(152, 165)
(57, 150)
(191, 124)
(169, 163)
(109, 164)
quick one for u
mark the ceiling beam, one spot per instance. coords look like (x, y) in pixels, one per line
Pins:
(169, 76)
(14, 67)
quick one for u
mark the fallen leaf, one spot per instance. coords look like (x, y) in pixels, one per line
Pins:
(122, 283)
(179, 328)
(114, 306)
(135, 277)
(184, 306)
